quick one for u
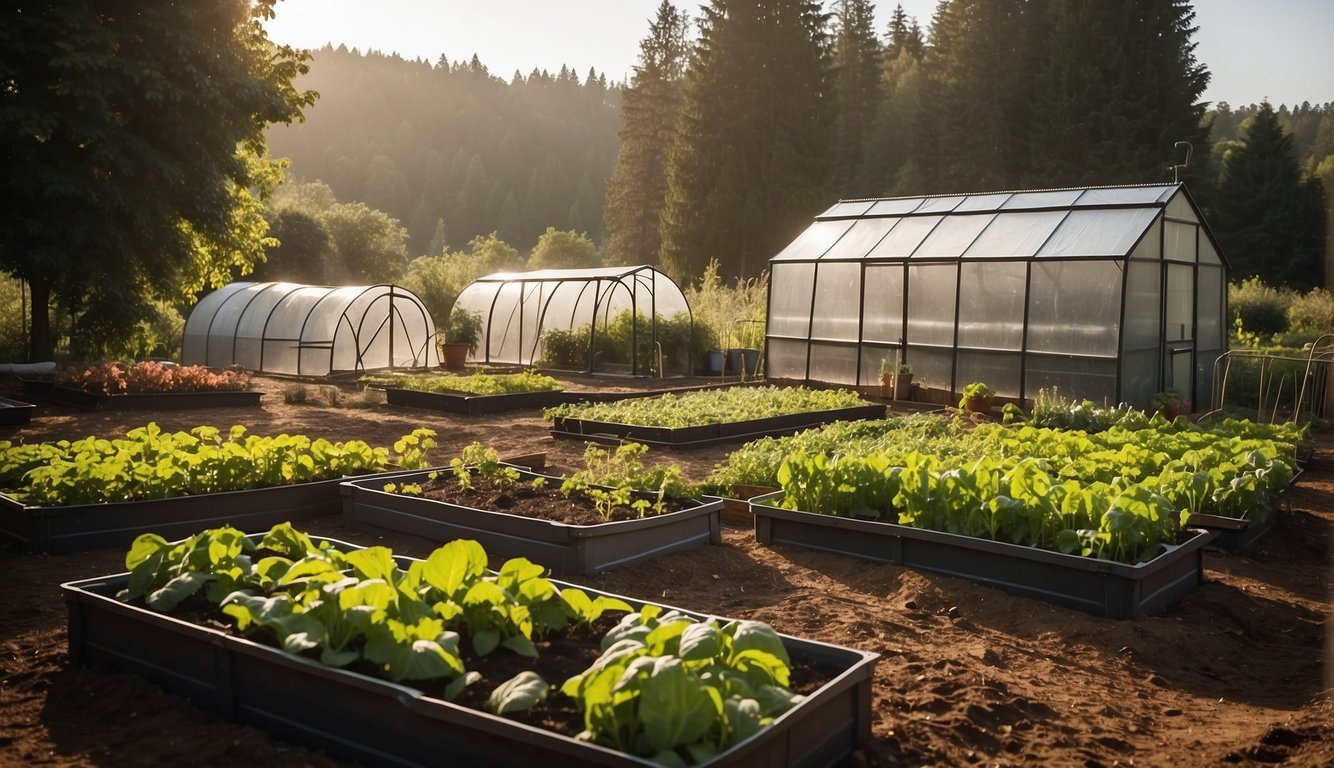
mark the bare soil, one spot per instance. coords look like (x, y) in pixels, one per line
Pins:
(1240, 672)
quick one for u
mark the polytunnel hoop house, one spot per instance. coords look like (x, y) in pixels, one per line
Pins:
(310, 330)
(1106, 293)
(600, 319)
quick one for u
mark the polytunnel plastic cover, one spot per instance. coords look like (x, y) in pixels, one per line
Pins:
(308, 330)
(593, 319)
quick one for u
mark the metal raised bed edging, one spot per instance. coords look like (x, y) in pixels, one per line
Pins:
(298, 699)
(1101, 587)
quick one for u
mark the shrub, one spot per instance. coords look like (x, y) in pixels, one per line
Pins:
(1313, 312)
(1260, 308)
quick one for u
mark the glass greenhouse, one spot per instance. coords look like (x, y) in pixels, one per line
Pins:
(604, 319)
(310, 330)
(1110, 294)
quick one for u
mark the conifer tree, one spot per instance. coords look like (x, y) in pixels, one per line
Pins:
(1119, 88)
(1267, 216)
(649, 111)
(857, 55)
(751, 163)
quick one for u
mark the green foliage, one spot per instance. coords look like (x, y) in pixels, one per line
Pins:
(1119, 494)
(677, 690)
(478, 460)
(712, 406)
(751, 162)
(649, 111)
(476, 383)
(1313, 311)
(1258, 308)
(757, 462)
(976, 390)
(368, 245)
(626, 340)
(724, 312)
(439, 279)
(624, 478)
(1053, 410)
(526, 153)
(564, 250)
(106, 124)
(1267, 215)
(563, 348)
(462, 326)
(149, 463)
(407, 620)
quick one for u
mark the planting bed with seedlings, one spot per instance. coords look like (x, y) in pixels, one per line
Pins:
(1236, 672)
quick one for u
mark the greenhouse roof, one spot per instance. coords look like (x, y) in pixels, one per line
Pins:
(1090, 222)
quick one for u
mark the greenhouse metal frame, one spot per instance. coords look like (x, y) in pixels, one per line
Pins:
(519, 308)
(310, 330)
(1106, 293)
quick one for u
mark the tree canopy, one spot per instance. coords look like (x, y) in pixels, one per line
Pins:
(132, 138)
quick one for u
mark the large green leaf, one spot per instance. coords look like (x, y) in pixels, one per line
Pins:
(520, 693)
(676, 708)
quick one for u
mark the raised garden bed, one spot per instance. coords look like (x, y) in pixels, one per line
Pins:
(156, 401)
(709, 434)
(568, 550)
(299, 699)
(77, 527)
(461, 403)
(1101, 587)
(14, 412)
(1233, 534)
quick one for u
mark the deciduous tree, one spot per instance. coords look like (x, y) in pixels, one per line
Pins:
(132, 142)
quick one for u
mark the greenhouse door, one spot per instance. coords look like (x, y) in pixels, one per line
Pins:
(1179, 331)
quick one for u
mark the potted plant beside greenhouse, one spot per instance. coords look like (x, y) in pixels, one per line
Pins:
(895, 379)
(460, 333)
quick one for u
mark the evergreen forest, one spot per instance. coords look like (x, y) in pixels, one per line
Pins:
(742, 123)
(742, 120)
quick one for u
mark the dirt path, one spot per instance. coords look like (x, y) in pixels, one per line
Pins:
(1238, 673)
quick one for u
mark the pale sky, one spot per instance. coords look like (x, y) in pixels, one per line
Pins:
(1279, 49)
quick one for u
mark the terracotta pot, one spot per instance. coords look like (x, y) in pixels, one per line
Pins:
(888, 386)
(978, 405)
(455, 354)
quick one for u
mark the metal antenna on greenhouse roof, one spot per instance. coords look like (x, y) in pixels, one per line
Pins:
(1176, 169)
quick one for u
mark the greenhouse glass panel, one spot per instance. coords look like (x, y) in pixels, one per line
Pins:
(1060, 198)
(1139, 377)
(1204, 377)
(1142, 195)
(860, 239)
(834, 363)
(1015, 235)
(895, 206)
(991, 306)
(1076, 378)
(1074, 307)
(1143, 309)
(904, 238)
(1179, 241)
(1180, 208)
(952, 237)
(871, 357)
(999, 370)
(1209, 324)
(837, 286)
(939, 204)
(882, 315)
(1180, 303)
(790, 301)
(1150, 247)
(785, 359)
(1098, 233)
(223, 332)
(812, 243)
(848, 208)
(933, 368)
(1208, 254)
(975, 203)
(931, 292)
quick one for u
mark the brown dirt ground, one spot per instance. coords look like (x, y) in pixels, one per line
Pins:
(1239, 672)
